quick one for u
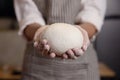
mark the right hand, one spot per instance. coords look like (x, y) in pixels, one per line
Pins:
(42, 44)
(76, 52)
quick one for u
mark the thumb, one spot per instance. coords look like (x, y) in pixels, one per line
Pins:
(38, 33)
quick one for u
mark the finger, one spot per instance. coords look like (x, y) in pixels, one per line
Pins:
(86, 41)
(81, 52)
(38, 33)
(44, 42)
(65, 56)
(43, 52)
(85, 45)
(71, 54)
(46, 48)
(52, 55)
(42, 45)
(36, 44)
(76, 51)
(37, 36)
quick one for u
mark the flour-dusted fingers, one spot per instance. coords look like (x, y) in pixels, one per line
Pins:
(84, 48)
(37, 36)
(65, 56)
(52, 55)
(44, 42)
(86, 40)
(39, 45)
(71, 54)
(85, 45)
(36, 44)
(76, 51)
(42, 51)
(46, 49)
(79, 51)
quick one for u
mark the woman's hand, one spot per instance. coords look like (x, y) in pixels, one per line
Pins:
(42, 44)
(76, 52)
(32, 33)
(44, 47)
(88, 30)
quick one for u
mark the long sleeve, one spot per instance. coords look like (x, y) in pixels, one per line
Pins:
(93, 11)
(27, 13)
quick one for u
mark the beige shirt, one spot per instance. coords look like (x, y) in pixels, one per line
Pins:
(27, 12)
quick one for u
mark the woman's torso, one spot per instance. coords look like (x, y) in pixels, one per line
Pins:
(38, 67)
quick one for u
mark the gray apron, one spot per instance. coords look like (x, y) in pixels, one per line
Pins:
(38, 67)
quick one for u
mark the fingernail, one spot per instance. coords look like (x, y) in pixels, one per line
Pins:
(85, 47)
(47, 47)
(44, 41)
(65, 56)
(76, 51)
(72, 54)
(81, 52)
(35, 44)
(69, 51)
(52, 55)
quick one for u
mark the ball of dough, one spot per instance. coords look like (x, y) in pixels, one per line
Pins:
(62, 37)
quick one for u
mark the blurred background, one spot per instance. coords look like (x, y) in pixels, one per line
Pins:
(107, 43)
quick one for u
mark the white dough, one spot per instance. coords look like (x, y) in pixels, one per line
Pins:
(61, 37)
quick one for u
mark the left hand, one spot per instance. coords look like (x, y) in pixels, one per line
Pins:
(76, 52)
